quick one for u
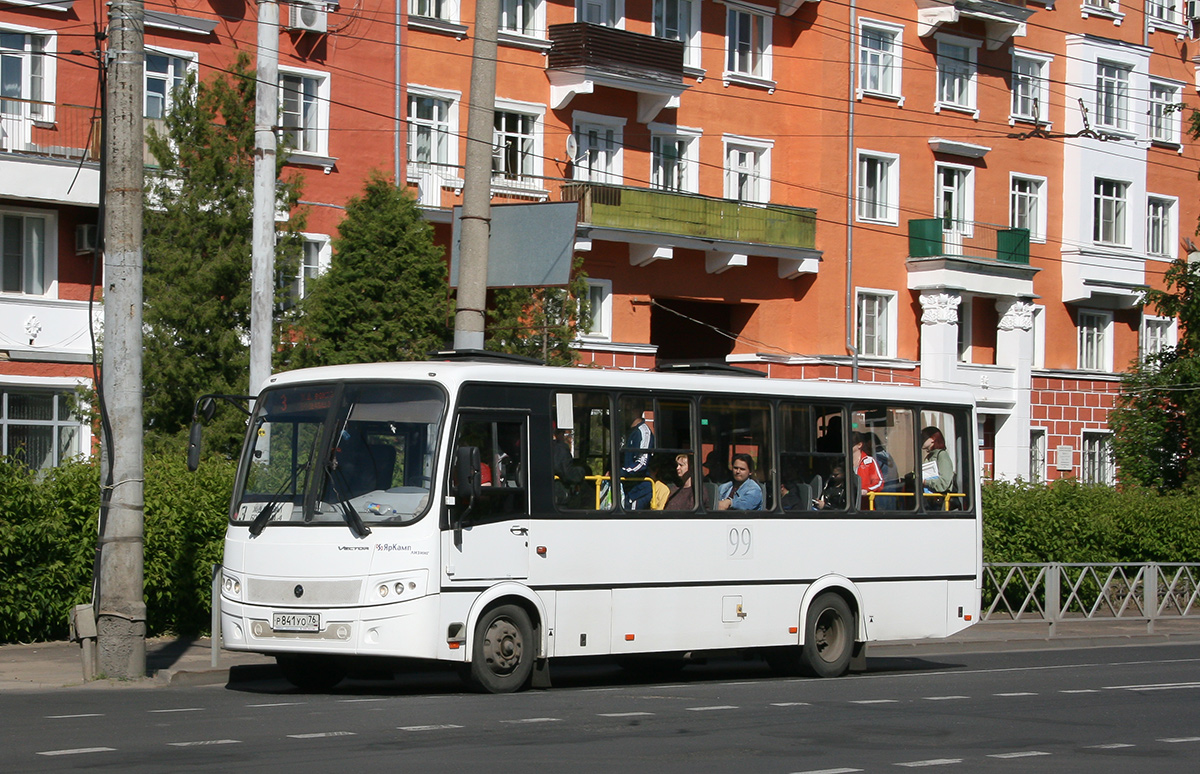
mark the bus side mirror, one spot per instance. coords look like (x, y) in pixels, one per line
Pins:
(193, 458)
(467, 469)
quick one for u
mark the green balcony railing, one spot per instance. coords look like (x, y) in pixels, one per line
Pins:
(930, 237)
(703, 217)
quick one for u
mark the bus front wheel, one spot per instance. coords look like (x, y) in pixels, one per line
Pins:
(504, 650)
(828, 637)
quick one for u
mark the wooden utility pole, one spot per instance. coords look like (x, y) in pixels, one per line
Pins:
(121, 606)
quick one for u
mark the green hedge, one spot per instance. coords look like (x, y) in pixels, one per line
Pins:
(48, 526)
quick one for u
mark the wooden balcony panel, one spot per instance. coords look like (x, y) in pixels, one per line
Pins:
(607, 49)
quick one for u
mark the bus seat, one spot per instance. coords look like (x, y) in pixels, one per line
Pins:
(383, 459)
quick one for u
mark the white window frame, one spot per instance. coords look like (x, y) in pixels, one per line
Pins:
(1156, 334)
(962, 199)
(758, 176)
(966, 325)
(1095, 460)
(320, 247)
(600, 296)
(522, 19)
(442, 10)
(886, 310)
(1028, 205)
(602, 159)
(1164, 117)
(1039, 336)
(963, 74)
(446, 169)
(748, 52)
(688, 169)
(606, 13)
(882, 67)
(1113, 105)
(1162, 231)
(874, 209)
(1110, 212)
(38, 88)
(685, 27)
(1038, 448)
(319, 144)
(60, 420)
(47, 262)
(190, 66)
(1095, 339)
(531, 179)
(1030, 86)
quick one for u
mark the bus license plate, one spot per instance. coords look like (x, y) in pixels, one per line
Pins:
(296, 622)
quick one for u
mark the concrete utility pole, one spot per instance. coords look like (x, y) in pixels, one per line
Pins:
(262, 251)
(121, 617)
(469, 314)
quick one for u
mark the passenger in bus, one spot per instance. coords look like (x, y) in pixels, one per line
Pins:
(742, 493)
(683, 498)
(567, 476)
(866, 469)
(637, 490)
(937, 469)
(833, 494)
(661, 489)
(795, 496)
(715, 470)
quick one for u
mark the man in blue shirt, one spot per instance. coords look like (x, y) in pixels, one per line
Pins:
(742, 493)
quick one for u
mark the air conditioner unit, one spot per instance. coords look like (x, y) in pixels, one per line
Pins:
(85, 238)
(310, 18)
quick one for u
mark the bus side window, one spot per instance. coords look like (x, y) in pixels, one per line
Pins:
(501, 444)
(812, 458)
(730, 429)
(944, 450)
(885, 465)
(581, 453)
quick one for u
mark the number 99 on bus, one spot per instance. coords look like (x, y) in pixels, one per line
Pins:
(740, 543)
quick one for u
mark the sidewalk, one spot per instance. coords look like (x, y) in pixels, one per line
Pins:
(183, 661)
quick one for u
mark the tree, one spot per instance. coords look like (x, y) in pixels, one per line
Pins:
(384, 297)
(197, 253)
(540, 322)
(1156, 422)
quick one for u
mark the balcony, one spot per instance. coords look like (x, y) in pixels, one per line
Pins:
(49, 152)
(973, 257)
(584, 56)
(721, 227)
(1110, 279)
(1002, 19)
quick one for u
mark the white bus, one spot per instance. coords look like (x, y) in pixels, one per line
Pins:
(501, 515)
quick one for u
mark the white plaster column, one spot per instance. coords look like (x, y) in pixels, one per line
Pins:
(1014, 347)
(939, 338)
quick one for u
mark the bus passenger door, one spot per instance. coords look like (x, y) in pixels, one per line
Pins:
(489, 538)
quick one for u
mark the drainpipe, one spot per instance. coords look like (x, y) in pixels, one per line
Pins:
(851, 197)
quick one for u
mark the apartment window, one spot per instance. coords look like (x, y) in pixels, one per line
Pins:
(1164, 10)
(1112, 96)
(520, 16)
(314, 261)
(607, 13)
(955, 202)
(680, 20)
(956, 75)
(747, 42)
(600, 309)
(304, 111)
(1027, 205)
(599, 159)
(879, 60)
(1165, 112)
(876, 323)
(446, 10)
(1160, 229)
(431, 135)
(1110, 212)
(1030, 88)
(747, 169)
(1095, 340)
(1037, 455)
(878, 187)
(24, 252)
(39, 428)
(964, 336)
(1097, 465)
(26, 81)
(165, 75)
(1157, 334)
(673, 164)
(516, 142)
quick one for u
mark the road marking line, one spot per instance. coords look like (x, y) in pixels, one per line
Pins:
(356, 701)
(622, 714)
(795, 704)
(78, 751)
(1025, 754)
(204, 743)
(931, 762)
(944, 698)
(1178, 739)
(1112, 746)
(320, 735)
(714, 707)
(1082, 690)
(178, 709)
(1011, 695)
(82, 715)
(533, 720)
(875, 701)
(278, 704)
(439, 727)
(744, 682)
(828, 771)
(1152, 687)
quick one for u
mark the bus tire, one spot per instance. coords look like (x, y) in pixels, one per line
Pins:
(311, 673)
(828, 637)
(504, 650)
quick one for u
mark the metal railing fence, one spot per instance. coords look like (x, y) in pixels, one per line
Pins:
(1054, 593)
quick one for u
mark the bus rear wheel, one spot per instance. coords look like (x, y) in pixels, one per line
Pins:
(504, 650)
(828, 637)
(311, 673)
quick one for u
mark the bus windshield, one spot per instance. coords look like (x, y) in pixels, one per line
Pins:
(317, 450)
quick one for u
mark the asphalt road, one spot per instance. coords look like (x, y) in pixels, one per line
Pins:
(1132, 708)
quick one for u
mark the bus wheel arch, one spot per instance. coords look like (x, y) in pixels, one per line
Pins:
(507, 641)
(830, 634)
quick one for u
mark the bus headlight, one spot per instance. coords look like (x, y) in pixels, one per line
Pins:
(231, 585)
